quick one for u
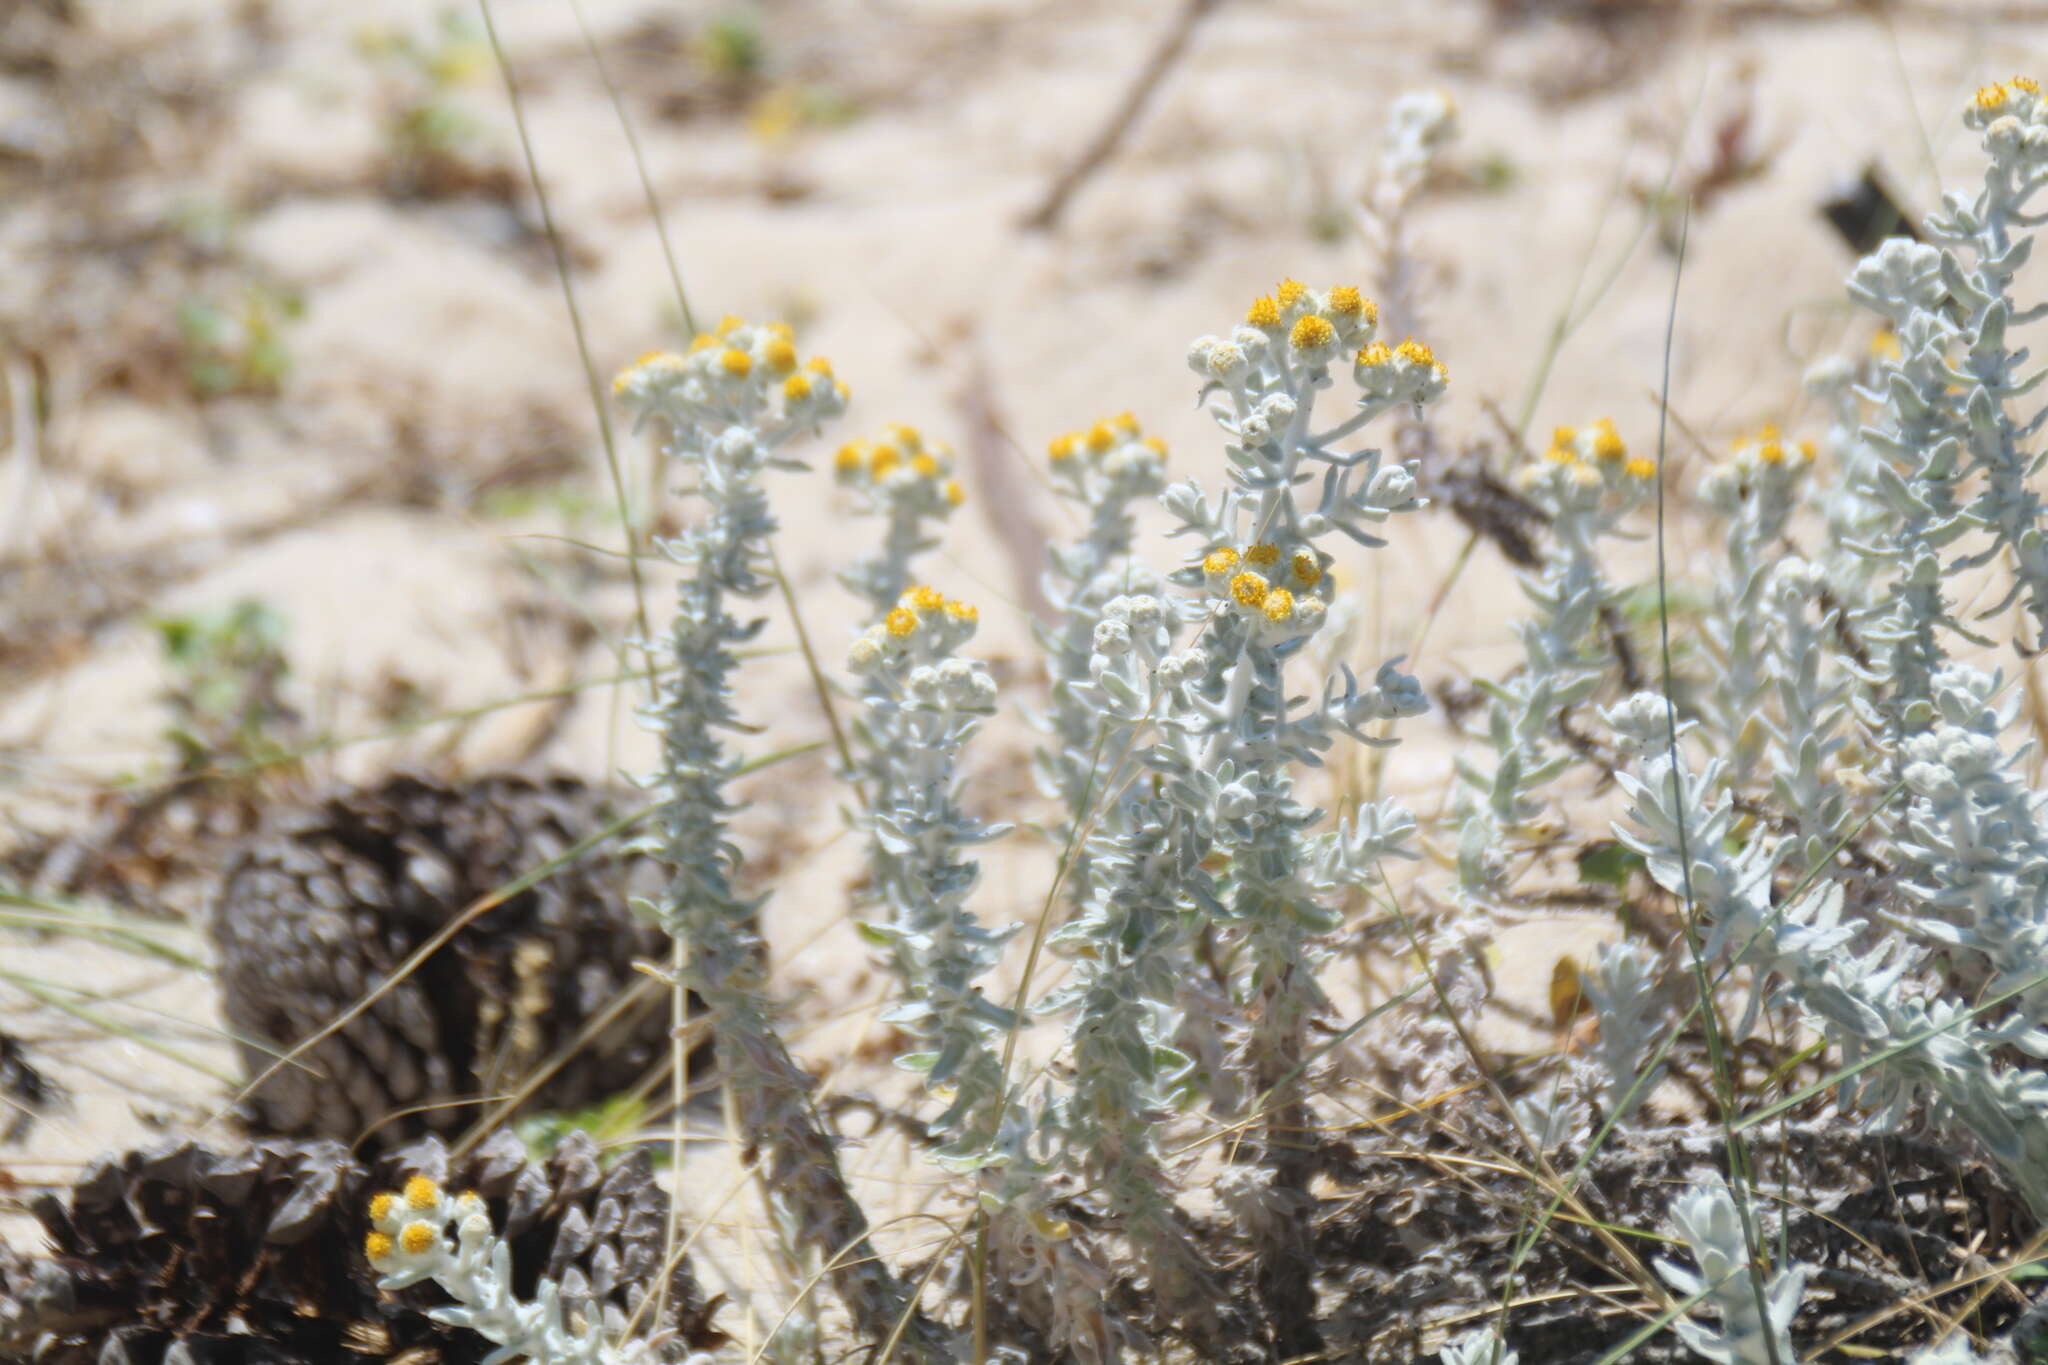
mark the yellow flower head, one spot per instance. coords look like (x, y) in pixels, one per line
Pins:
(703, 341)
(1125, 423)
(882, 459)
(1290, 292)
(817, 364)
(377, 1246)
(1279, 605)
(380, 1206)
(1101, 437)
(780, 355)
(962, 611)
(1806, 451)
(1640, 468)
(1156, 446)
(1264, 554)
(1607, 442)
(953, 493)
(1415, 353)
(1347, 302)
(850, 457)
(901, 622)
(736, 362)
(729, 324)
(1561, 454)
(1375, 355)
(1307, 572)
(908, 437)
(925, 467)
(796, 388)
(1219, 561)
(1264, 312)
(1062, 448)
(1771, 452)
(1991, 97)
(416, 1238)
(1310, 332)
(1249, 589)
(421, 1193)
(924, 598)
(2026, 83)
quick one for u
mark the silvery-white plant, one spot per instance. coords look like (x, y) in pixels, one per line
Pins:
(409, 1242)
(908, 482)
(1587, 484)
(1945, 413)
(729, 406)
(1754, 1329)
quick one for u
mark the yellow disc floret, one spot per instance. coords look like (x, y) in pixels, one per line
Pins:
(901, 622)
(1219, 561)
(925, 467)
(1263, 554)
(421, 1193)
(1607, 442)
(1125, 423)
(1415, 353)
(1264, 312)
(883, 459)
(1279, 605)
(381, 1205)
(1101, 437)
(1346, 302)
(817, 364)
(729, 324)
(1771, 452)
(1310, 332)
(418, 1238)
(1290, 292)
(1307, 572)
(796, 388)
(736, 362)
(850, 457)
(1991, 97)
(963, 611)
(780, 355)
(1375, 355)
(378, 1246)
(1062, 448)
(703, 341)
(953, 493)
(1156, 446)
(1249, 589)
(2026, 83)
(925, 598)
(1640, 468)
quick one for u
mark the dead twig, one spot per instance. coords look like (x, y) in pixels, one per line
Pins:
(1111, 135)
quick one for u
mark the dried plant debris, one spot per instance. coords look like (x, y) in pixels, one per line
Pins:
(186, 1253)
(1422, 1243)
(25, 1093)
(330, 902)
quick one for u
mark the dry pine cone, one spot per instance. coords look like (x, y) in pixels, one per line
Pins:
(187, 1255)
(329, 902)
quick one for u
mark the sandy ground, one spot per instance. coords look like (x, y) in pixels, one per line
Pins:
(415, 498)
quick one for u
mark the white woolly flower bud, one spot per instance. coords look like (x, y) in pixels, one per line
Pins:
(1112, 639)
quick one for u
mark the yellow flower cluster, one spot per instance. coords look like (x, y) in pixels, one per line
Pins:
(1097, 442)
(1287, 591)
(1596, 446)
(1316, 325)
(923, 619)
(1993, 99)
(759, 360)
(901, 458)
(406, 1226)
(1766, 446)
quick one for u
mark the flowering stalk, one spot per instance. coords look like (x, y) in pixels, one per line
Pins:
(730, 405)
(909, 483)
(1587, 484)
(1105, 468)
(408, 1242)
(1263, 588)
